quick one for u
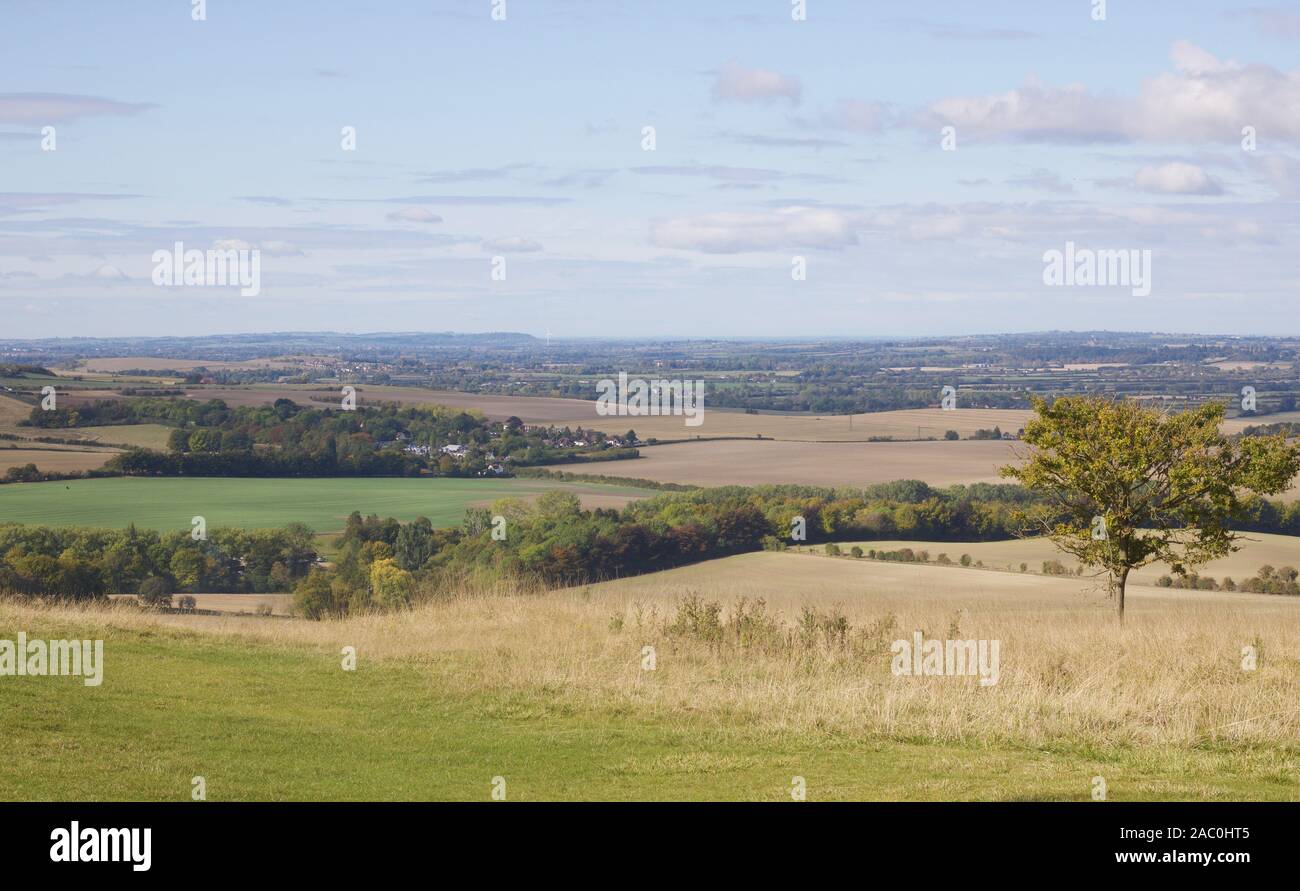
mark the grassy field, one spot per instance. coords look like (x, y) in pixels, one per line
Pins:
(146, 436)
(751, 462)
(547, 693)
(59, 458)
(906, 424)
(1256, 549)
(323, 504)
(12, 411)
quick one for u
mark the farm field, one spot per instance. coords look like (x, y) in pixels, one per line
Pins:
(548, 692)
(902, 424)
(118, 364)
(1257, 550)
(234, 603)
(754, 462)
(12, 411)
(146, 436)
(1236, 425)
(575, 412)
(322, 504)
(63, 459)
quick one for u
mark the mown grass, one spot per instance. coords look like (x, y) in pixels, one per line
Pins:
(262, 709)
(323, 504)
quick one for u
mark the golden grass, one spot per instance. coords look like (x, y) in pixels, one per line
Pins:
(1256, 549)
(12, 411)
(904, 424)
(63, 459)
(749, 463)
(1070, 677)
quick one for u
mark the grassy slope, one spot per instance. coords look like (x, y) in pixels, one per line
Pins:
(322, 504)
(267, 721)
(1257, 549)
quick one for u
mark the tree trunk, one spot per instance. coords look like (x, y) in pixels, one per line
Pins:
(1122, 581)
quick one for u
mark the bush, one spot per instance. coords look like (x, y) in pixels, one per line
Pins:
(965, 560)
(856, 551)
(313, 597)
(943, 560)
(832, 550)
(155, 591)
(1024, 567)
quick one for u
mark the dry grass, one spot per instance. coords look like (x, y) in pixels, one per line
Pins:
(12, 411)
(905, 424)
(749, 463)
(1257, 549)
(63, 459)
(1069, 676)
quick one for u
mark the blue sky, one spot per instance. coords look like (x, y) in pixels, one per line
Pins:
(522, 139)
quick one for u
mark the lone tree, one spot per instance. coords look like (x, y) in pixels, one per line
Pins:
(1127, 486)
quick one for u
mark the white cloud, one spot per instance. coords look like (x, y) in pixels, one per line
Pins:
(109, 272)
(1202, 100)
(513, 244)
(1176, 178)
(414, 215)
(54, 108)
(738, 232)
(854, 114)
(736, 83)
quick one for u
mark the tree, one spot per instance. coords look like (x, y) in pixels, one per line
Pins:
(155, 591)
(415, 544)
(390, 585)
(313, 597)
(1127, 486)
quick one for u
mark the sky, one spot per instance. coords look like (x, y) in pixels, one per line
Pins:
(516, 144)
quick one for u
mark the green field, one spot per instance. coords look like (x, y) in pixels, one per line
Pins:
(267, 721)
(323, 504)
(146, 436)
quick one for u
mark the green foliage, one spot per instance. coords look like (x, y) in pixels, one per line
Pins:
(1126, 486)
(155, 591)
(76, 563)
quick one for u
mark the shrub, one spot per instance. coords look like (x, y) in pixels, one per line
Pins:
(832, 550)
(313, 597)
(856, 551)
(155, 591)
